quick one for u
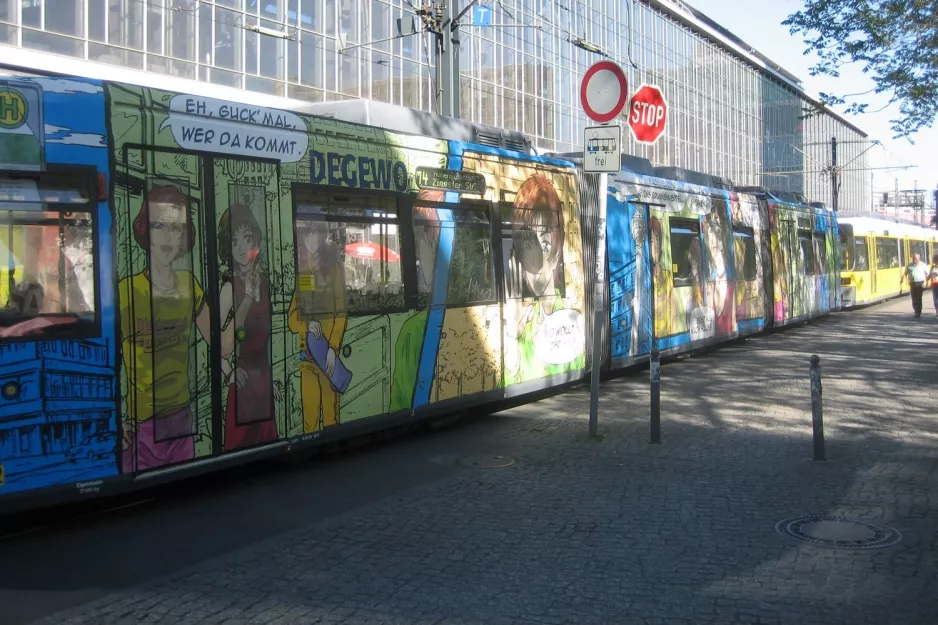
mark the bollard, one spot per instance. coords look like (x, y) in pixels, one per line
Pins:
(655, 375)
(817, 413)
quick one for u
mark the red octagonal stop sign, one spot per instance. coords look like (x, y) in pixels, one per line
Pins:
(648, 114)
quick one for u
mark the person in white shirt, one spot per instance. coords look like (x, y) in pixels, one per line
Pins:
(932, 282)
(916, 271)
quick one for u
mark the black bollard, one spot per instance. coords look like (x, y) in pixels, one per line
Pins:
(817, 413)
(655, 375)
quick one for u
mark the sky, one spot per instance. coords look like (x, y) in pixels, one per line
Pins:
(760, 26)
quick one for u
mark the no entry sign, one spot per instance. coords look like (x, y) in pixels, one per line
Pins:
(648, 114)
(603, 91)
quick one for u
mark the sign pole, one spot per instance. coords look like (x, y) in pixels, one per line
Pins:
(598, 284)
(603, 93)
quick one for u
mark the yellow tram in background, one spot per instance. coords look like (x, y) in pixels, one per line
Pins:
(875, 250)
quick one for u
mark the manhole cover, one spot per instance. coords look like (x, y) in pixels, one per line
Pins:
(487, 462)
(839, 532)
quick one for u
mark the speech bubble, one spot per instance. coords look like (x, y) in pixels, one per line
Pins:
(702, 324)
(210, 125)
(561, 338)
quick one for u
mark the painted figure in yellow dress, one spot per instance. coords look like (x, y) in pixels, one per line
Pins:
(318, 310)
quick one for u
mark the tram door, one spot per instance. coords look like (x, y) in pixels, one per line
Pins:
(253, 245)
(167, 273)
(788, 244)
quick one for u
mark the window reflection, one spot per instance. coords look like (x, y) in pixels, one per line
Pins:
(46, 272)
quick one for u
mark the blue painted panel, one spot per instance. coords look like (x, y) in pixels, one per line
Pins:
(623, 222)
(67, 387)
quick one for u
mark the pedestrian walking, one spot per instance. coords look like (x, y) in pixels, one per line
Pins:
(916, 272)
(931, 282)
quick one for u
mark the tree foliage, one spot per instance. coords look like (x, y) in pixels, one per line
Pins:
(895, 42)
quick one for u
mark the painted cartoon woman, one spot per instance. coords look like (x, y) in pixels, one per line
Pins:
(410, 341)
(537, 244)
(245, 309)
(780, 279)
(663, 284)
(158, 307)
(318, 311)
(717, 231)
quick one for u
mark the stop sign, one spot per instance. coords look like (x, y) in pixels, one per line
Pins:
(648, 114)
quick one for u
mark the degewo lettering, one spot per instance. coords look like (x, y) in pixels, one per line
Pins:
(241, 130)
(358, 172)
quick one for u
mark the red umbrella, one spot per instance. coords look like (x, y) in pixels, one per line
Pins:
(372, 250)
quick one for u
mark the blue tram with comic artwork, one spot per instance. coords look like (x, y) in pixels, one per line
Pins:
(189, 283)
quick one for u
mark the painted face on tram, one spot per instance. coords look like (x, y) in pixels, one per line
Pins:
(244, 247)
(168, 229)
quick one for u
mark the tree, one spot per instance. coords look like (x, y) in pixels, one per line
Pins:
(896, 42)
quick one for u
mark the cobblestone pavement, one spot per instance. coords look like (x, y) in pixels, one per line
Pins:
(621, 531)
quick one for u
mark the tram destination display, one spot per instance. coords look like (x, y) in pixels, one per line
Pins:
(462, 181)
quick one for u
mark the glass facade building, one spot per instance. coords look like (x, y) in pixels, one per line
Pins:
(731, 112)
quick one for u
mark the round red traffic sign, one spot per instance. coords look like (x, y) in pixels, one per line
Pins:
(603, 91)
(648, 114)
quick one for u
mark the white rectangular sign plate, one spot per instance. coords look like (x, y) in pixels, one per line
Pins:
(602, 149)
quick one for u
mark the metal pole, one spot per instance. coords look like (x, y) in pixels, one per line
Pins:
(654, 366)
(654, 374)
(817, 414)
(834, 190)
(600, 277)
(445, 59)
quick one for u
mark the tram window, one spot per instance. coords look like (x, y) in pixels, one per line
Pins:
(47, 284)
(348, 253)
(532, 242)
(807, 253)
(686, 256)
(846, 253)
(472, 265)
(918, 247)
(745, 253)
(820, 248)
(861, 254)
(887, 253)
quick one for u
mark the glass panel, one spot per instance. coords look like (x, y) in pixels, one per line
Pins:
(227, 39)
(807, 254)
(686, 256)
(346, 264)
(56, 44)
(32, 13)
(264, 85)
(820, 254)
(8, 34)
(66, 17)
(206, 42)
(97, 11)
(745, 255)
(125, 24)
(115, 56)
(311, 59)
(181, 30)
(271, 58)
(46, 273)
(8, 10)
(155, 29)
(472, 268)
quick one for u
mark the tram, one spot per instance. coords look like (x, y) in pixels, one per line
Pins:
(875, 249)
(219, 282)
